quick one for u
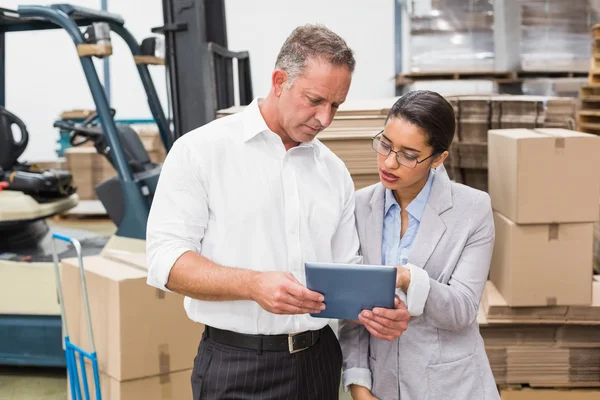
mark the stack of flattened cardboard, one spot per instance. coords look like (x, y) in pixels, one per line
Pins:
(350, 137)
(560, 112)
(144, 340)
(469, 149)
(90, 168)
(509, 112)
(551, 346)
(478, 114)
(541, 270)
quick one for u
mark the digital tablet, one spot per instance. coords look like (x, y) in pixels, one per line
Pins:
(351, 288)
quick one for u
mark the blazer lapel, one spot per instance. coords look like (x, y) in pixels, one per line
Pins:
(430, 232)
(432, 226)
(374, 227)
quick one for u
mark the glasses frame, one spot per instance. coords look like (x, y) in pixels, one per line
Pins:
(417, 162)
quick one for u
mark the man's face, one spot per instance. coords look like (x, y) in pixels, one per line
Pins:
(309, 105)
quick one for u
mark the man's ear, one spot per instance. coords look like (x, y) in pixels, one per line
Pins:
(439, 160)
(278, 81)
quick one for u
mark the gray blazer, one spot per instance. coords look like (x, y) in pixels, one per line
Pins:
(441, 355)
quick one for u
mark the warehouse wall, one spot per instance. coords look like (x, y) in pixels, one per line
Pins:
(368, 27)
(39, 91)
(43, 77)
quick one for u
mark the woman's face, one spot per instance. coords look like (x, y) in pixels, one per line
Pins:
(411, 144)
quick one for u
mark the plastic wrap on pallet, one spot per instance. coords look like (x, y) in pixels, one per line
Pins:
(555, 34)
(563, 87)
(452, 35)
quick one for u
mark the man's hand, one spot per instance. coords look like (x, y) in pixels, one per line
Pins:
(281, 293)
(361, 393)
(386, 324)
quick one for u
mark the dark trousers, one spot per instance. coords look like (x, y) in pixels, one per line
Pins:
(226, 372)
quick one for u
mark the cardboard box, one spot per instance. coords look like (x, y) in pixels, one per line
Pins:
(172, 386)
(32, 289)
(139, 331)
(543, 264)
(550, 394)
(544, 175)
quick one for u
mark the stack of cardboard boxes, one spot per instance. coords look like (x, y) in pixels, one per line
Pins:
(145, 342)
(542, 296)
(545, 190)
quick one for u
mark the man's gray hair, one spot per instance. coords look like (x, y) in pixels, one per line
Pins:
(315, 42)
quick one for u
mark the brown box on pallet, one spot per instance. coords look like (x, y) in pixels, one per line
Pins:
(544, 175)
(543, 264)
(138, 331)
(172, 386)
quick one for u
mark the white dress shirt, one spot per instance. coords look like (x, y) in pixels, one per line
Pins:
(231, 192)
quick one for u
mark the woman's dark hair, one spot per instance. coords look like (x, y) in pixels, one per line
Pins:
(429, 111)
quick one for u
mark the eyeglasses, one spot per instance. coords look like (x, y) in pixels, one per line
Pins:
(403, 158)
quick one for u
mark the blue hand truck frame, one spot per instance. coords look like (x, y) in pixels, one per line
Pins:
(71, 350)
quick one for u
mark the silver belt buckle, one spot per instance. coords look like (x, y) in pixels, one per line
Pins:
(291, 344)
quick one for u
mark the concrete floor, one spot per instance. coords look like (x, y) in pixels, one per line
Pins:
(46, 384)
(33, 383)
(51, 383)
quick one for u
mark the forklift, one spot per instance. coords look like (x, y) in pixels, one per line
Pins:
(31, 335)
(196, 40)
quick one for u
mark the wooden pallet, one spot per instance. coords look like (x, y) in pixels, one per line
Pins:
(594, 77)
(590, 104)
(596, 32)
(505, 77)
(403, 79)
(589, 93)
(589, 121)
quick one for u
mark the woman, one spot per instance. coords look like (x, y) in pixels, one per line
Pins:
(440, 235)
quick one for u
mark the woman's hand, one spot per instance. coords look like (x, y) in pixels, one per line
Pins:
(361, 393)
(386, 324)
(403, 278)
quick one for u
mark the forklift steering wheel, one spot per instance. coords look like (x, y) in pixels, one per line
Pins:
(84, 132)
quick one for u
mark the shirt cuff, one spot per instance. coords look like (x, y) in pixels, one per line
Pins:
(356, 376)
(418, 290)
(160, 267)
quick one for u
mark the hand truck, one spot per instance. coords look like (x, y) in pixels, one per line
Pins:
(71, 350)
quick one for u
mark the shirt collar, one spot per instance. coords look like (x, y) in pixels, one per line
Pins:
(254, 124)
(417, 206)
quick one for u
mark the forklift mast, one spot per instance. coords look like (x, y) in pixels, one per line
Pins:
(200, 67)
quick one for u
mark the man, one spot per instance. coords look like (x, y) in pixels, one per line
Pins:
(242, 203)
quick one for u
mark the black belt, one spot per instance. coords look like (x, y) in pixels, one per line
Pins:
(293, 343)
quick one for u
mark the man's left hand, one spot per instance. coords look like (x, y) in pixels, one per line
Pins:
(384, 323)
